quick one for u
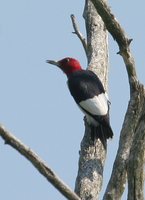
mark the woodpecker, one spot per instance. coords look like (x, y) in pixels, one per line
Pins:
(89, 94)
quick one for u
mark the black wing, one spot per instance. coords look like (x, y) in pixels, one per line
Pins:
(84, 84)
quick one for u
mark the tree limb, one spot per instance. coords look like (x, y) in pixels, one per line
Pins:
(135, 167)
(119, 35)
(78, 33)
(38, 164)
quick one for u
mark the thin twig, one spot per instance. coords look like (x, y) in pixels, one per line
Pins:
(38, 163)
(78, 33)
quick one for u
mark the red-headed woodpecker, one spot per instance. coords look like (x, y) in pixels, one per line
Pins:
(89, 94)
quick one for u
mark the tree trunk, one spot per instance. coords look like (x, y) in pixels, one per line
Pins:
(92, 157)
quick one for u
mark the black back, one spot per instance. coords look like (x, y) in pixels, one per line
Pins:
(84, 84)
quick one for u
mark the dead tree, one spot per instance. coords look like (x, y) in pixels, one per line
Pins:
(129, 163)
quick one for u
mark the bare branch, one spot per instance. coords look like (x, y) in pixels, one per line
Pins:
(119, 35)
(38, 163)
(78, 33)
(135, 169)
(117, 181)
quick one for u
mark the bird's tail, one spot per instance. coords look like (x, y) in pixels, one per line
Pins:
(101, 132)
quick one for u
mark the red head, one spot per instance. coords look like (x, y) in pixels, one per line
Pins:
(67, 65)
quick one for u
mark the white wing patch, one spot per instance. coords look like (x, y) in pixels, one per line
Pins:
(98, 105)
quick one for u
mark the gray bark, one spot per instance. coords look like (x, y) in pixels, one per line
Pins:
(97, 43)
(135, 166)
(92, 157)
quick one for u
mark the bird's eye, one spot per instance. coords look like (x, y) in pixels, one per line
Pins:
(67, 59)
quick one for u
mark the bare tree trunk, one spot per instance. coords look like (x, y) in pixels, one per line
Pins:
(92, 157)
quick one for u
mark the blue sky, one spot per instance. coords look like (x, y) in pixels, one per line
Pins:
(35, 103)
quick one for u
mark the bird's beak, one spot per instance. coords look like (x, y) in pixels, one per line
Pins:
(53, 62)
